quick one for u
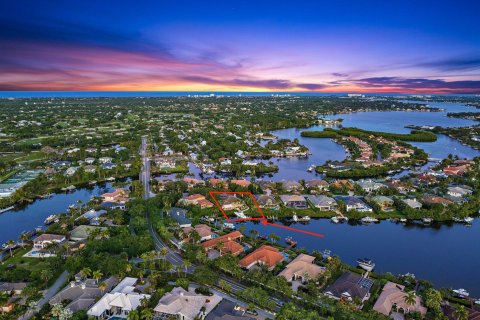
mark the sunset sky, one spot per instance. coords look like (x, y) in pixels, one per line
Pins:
(326, 46)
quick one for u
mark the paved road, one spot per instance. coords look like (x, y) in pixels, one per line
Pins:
(56, 286)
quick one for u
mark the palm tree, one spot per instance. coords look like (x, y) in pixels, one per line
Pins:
(3, 299)
(163, 254)
(187, 264)
(24, 237)
(86, 272)
(460, 313)
(274, 238)
(133, 315)
(10, 244)
(97, 275)
(45, 275)
(146, 314)
(410, 299)
(220, 246)
(102, 286)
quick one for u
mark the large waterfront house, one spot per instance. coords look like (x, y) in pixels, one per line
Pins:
(457, 191)
(294, 201)
(46, 239)
(267, 202)
(393, 298)
(385, 203)
(323, 203)
(413, 203)
(350, 286)
(231, 202)
(369, 185)
(119, 302)
(118, 196)
(185, 305)
(302, 268)
(265, 255)
(354, 203)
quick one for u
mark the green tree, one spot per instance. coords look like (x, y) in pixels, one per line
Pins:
(460, 313)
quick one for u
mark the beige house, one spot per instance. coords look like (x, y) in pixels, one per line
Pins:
(185, 305)
(302, 268)
(394, 295)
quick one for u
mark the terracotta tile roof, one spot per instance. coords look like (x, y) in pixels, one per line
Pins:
(231, 237)
(242, 183)
(267, 255)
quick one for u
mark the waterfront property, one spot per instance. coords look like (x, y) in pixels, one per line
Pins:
(393, 298)
(323, 203)
(46, 239)
(302, 269)
(267, 202)
(350, 286)
(294, 201)
(265, 255)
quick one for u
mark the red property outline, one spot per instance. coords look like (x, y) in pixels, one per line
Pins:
(262, 218)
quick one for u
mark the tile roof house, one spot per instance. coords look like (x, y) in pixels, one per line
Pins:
(185, 305)
(413, 203)
(180, 215)
(353, 203)
(316, 185)
(119, 196)
(385, 203)
(9, 287)
(241, 183)
(302, 268)
(46, 239)
(294, 201)
(369, 185)
(82, 232)
(82, 294)
(231, 202)
(267, 202)
(394, 295)
(323, 203)
(349, 286)
(204, 231)
(432, 199)
(197, 200)
(291, 186)
(265, 255)
(458, 191)
(230, 245)
(119, 302)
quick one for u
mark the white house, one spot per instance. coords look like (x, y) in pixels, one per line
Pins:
(105, 159)
(119, 302)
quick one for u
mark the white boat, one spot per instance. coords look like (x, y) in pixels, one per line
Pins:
(477, 301)
(303, 219)
(335, 220)
(468, 220)
(110, 179)
(403, 220)
(311, 168)
(366, 264)
(427, 220)
(295, 218)
(51, 219)
(369, 220)
(229, 225)
(462, 293)
(240, 214)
